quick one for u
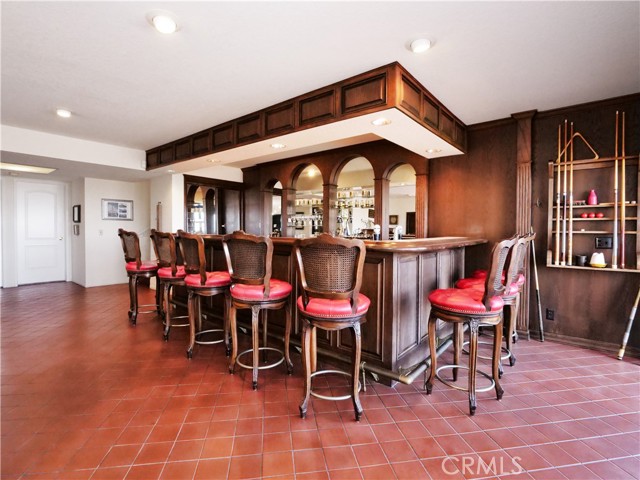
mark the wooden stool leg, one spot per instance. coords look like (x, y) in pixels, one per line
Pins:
(458, 338)
(265, 322)
(511, 329)
(287, 334)
(306, 365)
(166, 290)
(355, 360)
(473, 357)
(432, 352)
(158, 296)
(227, 309)
(255, 340)
(497, 344)
(133, 298)
(192, 307)
(313, 351)
(234, 336)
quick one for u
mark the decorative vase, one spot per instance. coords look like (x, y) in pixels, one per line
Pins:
(593, 198)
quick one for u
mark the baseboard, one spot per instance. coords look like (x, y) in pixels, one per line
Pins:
(591, 344)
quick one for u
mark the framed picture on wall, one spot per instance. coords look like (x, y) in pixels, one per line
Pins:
(393, 219)
(117, 209)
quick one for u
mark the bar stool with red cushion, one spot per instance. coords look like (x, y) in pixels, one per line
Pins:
(249, 258)
(514, 281)
(136, 269)
(475, 308)
(201, 282)
(170, 274)
(330, 273)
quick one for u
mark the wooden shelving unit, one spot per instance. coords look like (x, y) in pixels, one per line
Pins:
(616, 180)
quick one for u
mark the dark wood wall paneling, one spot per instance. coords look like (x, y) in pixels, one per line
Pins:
(477, 194)
(474, 194)
(379, 89)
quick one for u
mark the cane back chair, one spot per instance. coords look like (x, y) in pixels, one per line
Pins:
(249, 259)
(330, 273)
(170, 274)
(202, 283)
(476, 308)
(136, 269)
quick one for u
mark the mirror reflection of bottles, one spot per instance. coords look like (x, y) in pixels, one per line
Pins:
(196, 218)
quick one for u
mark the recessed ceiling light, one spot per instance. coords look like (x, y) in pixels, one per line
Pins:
(171, 171)
(25, 168)
(378, 122)
(61, 112)
(278, 146)
(434, 150)
(420, 45)
(164, 23)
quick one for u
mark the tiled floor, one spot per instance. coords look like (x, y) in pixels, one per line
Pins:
(84, 395)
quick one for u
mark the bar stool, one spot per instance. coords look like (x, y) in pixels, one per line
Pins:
(202, 283)
(249, 258)
(514, 281)
(170, 274)
(330, 272)
(475, 308)
(136, 269)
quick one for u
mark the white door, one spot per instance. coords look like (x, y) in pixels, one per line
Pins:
(40, 223)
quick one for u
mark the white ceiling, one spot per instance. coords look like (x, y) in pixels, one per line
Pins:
(128, 85)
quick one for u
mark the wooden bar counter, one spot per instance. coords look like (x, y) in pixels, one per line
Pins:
(398, 275)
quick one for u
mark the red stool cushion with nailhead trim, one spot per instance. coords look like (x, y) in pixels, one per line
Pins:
(478, 284)
(520, 280)
(483, 274)
(214, 279)
(325, 307)
(165, 272)
(144, 266)
(463, 300)
(278, 290)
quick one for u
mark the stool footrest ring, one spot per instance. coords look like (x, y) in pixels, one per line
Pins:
(262, 367)
(507, 353)
(464, 389)
(326, 397)
(202, 332)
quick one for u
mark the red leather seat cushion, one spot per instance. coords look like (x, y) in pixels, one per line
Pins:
(467, 300)
(324, 307)
(214, 279)
(520, 280)
(483, 274)
(165, 272)
(278, 289)
(470, 282)
(145, 266)
(478, 284)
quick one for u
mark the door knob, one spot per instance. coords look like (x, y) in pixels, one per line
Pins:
(60, 238)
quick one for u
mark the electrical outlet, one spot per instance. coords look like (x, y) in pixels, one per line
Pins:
(551, 314)
(604, 242)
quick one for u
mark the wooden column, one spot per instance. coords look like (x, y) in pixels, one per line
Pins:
(422, 205)
(381, 208)
(329, 210)
(288, 210)
(524, 202)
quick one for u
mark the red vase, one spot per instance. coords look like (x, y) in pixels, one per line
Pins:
(593, 198)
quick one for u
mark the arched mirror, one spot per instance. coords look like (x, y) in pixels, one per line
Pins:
(402, 202)
(276, 210)
(196, 215)
(355, 200)
(307, 220)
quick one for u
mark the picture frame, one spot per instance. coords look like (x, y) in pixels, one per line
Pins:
(117, 209)
(393, 219)
(76, 214)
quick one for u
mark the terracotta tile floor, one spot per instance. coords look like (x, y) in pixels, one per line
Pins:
(84, 395)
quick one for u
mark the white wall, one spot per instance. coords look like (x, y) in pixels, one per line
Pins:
(169, 190)
(400, 206)
(78, 245)
(9, 228)
(103, 251)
